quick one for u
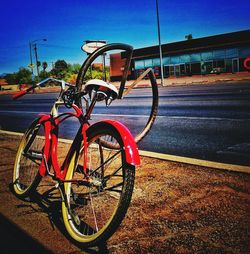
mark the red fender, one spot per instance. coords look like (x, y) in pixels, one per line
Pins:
(47, 127)
(131, 149)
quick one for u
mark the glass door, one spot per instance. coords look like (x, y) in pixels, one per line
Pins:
(171, 70)
(235, 65)
(177, 70)
(182, 69)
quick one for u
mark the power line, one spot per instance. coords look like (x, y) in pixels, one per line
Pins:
(13, 47)
(57, 46)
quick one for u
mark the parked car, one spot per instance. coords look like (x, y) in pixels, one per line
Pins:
(217, 70)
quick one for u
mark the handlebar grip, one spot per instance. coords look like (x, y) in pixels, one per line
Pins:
(19, 94)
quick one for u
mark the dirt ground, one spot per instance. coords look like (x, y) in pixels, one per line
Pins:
(176, 208)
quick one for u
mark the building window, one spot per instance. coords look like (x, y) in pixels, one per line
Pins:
(206, 67)
(148, 63)
(244, 52)
(166, 60)
(205, 56)
(185, 58)
(156, 62)
(166, 71)
(219, 54)
(231, 53)
(139, 64)
(228, 65)
(195, 57)
(175, 59)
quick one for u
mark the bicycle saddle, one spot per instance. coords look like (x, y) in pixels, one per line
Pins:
(102, 89)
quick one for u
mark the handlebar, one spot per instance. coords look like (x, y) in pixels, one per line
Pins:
(23, 92)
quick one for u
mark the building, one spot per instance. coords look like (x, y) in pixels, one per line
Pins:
(3, 84)
(224, 53)
(117, 63)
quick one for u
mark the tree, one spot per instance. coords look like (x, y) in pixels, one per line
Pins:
(44, 74)
(74, 68)
(23, 76)
(45, 65)
(11, 78)
(189, 37)
(60, 69)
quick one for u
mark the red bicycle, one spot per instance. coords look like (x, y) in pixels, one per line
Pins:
(96, 178)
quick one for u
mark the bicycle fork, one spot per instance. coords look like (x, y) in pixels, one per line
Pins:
(61, 183)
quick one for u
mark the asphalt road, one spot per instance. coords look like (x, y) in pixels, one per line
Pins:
(210, 122)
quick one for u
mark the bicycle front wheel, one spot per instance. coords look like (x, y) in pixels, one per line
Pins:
(96, 209)
(26, 175)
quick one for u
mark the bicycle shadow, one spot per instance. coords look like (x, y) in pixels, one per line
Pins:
(49, 202)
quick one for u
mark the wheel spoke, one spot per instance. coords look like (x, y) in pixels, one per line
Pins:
(28, 159)
(101, 203)
(93, 211)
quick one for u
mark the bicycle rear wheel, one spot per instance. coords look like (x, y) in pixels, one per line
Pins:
(126, 54)
(95, 210)
(26, 175)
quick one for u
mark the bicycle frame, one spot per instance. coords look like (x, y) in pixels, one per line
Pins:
(51, 124)
(100, 163)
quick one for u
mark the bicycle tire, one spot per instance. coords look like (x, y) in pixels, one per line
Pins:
(95, 212)
(154, 106)
(26, 175)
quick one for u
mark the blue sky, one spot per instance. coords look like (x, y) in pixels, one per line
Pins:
(67, 24)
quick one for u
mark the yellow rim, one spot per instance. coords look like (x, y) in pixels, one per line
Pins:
(66, 217)
(18, 155)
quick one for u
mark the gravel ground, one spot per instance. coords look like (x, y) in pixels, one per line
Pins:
(176, 208)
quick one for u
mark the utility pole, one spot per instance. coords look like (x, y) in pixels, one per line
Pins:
(31, 45)
(159, 40)
(31, 64)
(37, 67)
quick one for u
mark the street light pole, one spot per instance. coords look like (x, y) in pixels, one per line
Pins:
(159, 40)
(37, 67)
(33, 44)
(31, 64)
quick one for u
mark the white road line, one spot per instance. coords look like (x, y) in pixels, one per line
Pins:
(139, 116)
(21, 112)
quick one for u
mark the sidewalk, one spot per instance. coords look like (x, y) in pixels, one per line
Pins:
(200, 79)
(195, 79)
(176, 208)
(206, 79)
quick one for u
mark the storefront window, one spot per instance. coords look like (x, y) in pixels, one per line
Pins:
(156, 62)
(228, 65)
(166, 71)
(244, 52)
(219, 54)
(166, 60)
(148, 63)
(139, 64)
(196, 57)
(206, 67)
(195, 68)
(185, 58)
(175, 59)
(205, 56)
(231, 53)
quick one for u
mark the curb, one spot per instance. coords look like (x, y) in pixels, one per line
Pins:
(174, 158)
(197, 162)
